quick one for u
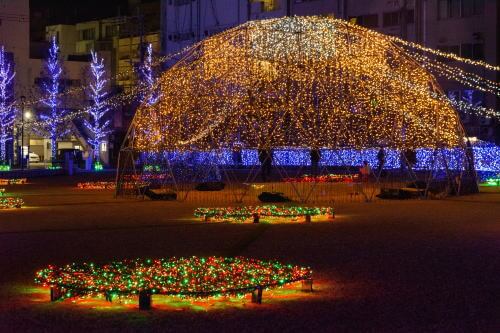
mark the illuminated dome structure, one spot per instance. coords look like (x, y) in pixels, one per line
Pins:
(295, 82)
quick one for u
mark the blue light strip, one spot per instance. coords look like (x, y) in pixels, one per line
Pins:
(487, 158)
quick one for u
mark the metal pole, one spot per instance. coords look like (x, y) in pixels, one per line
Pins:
(23, 98)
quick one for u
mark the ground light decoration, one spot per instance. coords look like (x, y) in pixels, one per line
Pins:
(7, 108)
(96, 185)
(293, 83)
(194, 277)
(330, 178)
(98, 166)
(240, 214)
(13, 181)
(492, 181)
(10, 202)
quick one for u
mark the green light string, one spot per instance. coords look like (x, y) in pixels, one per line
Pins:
(10, 202)
(245, 212)
(196, 277)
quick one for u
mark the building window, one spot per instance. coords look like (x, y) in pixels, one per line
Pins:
(466, 51)
(455, 8)
(181, 36)
(467, 8)
(478, 7)
(179, 2)
(111, 31)
(443, 9)
(87, 34)
(368, 21)
(391, 19)
(459, 8)
(478, 51)
(410, 16)
(269, 5)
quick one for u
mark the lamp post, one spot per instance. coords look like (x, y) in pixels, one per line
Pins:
(23, 99)
(27, 117)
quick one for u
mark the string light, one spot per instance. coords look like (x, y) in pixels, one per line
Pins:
(296, 82)
(98, 127)
(54, 123)
(10, 202)
(241, 214)
(413, 45)
(13, 181)
(148, 77)
(486, 158)
(330, 178)
(81, 89)
(184, 277)
(96, 186)
(7, 109)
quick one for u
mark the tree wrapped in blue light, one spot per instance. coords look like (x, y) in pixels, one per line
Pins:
(54, 122)
(7, 109)
(148, 77)
(98, 126)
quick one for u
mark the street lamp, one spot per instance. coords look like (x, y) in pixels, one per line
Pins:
(23, 100)
(27, 117)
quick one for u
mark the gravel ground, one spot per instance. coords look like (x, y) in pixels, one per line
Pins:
(396, 266)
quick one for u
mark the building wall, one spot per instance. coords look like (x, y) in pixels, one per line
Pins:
(66, 36)
(14, 35)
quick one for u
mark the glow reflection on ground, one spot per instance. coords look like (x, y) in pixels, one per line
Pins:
(291, 292)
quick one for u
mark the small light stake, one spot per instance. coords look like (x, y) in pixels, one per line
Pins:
(307, 285)
(257, 295)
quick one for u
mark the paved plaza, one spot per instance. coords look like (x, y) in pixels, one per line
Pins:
(414, 265)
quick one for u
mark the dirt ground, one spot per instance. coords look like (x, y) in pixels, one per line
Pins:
(385, 266)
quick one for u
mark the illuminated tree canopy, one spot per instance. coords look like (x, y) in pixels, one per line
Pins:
(296, 82)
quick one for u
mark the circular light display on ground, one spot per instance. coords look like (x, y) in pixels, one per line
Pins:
(185, 277)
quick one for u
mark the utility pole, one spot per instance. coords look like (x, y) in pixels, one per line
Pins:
(23, 99)
(288, 7)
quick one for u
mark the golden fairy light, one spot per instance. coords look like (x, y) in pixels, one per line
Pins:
(297, 82)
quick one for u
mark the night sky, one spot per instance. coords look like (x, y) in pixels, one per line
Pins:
(78, 10)
(48, 12)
